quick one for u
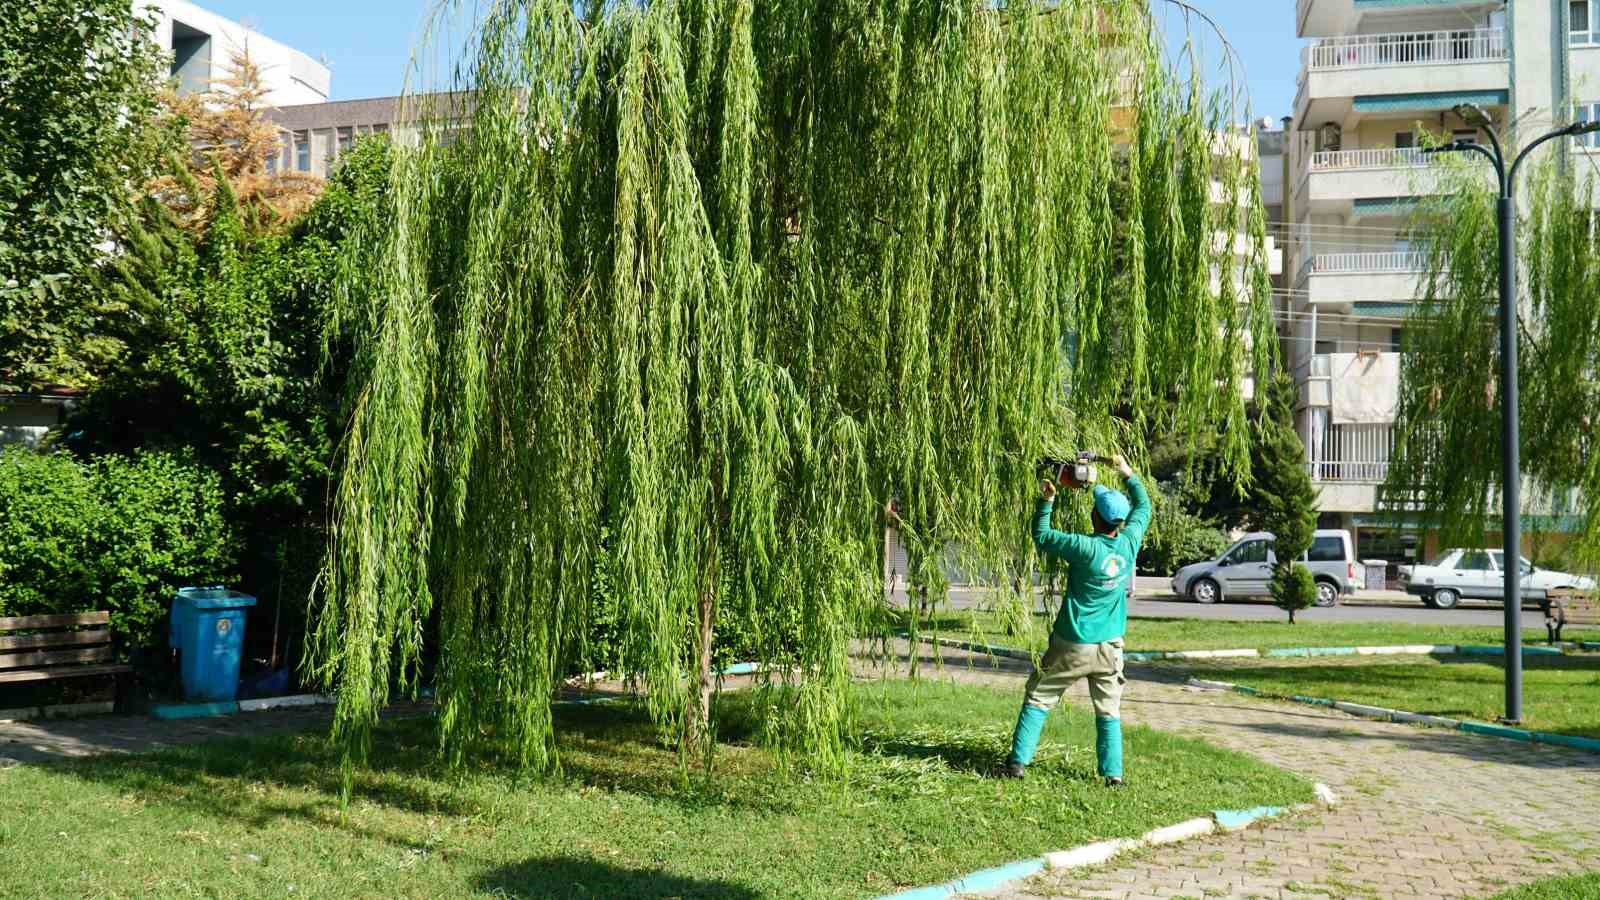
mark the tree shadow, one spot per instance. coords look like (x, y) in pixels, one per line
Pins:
(572, 878)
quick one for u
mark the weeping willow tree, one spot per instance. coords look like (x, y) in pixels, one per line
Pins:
(722, 278)
(1446, 465)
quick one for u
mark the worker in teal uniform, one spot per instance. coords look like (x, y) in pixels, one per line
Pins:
(1086, 641)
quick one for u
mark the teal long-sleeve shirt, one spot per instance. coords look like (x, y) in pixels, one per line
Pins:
(1095, 608)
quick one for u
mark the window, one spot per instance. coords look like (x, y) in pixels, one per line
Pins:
(1499, 556)
(1586, 112)
(1465, 134)
(345, 140)
(1473, 561)
(1404, 140)
(1326, 549)
(272, 164)
(302, 152)
(1248, 552)
(1579, 22)
(1396, 338)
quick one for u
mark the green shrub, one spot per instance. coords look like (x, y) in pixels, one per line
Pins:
(1177, 536)
(116, 533)
(1293, 588)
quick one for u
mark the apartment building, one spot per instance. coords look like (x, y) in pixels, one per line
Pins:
(315, 135)
(1376, 76)
(202, 45)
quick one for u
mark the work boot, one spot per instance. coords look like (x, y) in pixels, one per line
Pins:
(1009, 769)
(1113, 782)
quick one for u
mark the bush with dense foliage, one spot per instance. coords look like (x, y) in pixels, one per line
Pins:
(228, 363)
(117, 533)
(78, 134)
(1178, 536)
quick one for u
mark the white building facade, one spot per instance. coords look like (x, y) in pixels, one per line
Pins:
(1376, 78)
(203, 43)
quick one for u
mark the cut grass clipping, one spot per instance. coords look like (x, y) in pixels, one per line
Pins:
(1203, 634)
(620, 820)
(1562, 694)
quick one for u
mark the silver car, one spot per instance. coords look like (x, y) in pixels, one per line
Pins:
(1246, 568)
(1480, 574)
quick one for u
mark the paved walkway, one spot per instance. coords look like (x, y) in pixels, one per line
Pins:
(1424, 813)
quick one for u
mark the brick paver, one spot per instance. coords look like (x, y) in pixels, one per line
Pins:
(1423, 812)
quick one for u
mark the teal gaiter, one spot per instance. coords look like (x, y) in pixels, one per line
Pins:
(1107, 745)
(1025, 740)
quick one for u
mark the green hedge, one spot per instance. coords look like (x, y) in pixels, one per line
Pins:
(113, 533)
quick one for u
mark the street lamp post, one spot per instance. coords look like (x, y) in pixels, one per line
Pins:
(1510, 440)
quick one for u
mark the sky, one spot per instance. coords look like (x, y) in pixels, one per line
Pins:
(368, 42)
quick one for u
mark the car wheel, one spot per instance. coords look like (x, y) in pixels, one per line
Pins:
(1446, 598)
(1204, 590)
(1327, 594)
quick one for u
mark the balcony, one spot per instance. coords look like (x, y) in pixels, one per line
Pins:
(1345, 78)
(1335, 180)
(1381, 262)
(1319, 18)
(1359, 273)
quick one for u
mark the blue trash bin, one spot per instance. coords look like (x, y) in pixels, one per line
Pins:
(207, 630)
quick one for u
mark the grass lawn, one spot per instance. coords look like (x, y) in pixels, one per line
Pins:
(260, 817)
(1560, 694)
(1204, 634)
(1577, 887)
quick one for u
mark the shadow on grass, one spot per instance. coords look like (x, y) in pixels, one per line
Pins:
(612, 747)
(570, 878)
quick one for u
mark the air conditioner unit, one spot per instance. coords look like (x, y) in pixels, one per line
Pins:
(1328, 137)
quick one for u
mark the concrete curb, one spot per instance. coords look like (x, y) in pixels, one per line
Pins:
(1277, 652)
(230, 707)
(1385, 714)
(1222, 821)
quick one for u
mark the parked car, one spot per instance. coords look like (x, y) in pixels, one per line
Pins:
(1246, 568)
(1480, 574)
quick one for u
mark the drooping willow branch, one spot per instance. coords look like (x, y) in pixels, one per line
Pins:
(1445, 473)
(720, 278)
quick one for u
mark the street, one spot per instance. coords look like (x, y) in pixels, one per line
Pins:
(1154, 599)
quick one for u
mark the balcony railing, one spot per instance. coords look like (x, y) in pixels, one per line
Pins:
(1329, 160)
(1349, 472)
(1367, 263)
(1411, 49)
(1356, 454)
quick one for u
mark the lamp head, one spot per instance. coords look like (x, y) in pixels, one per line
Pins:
(1473, 114)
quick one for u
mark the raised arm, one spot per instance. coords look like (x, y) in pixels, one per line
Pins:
(1073, 548)
(1138, 517)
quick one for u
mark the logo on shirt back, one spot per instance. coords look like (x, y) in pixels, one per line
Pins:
(1113, 566)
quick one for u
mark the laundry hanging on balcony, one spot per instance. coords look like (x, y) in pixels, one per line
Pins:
(1365, 387)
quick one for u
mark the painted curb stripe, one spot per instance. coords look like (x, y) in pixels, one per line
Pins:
(1103, 851)
(281, 702)
(983, 880)
(1568, 740)
(1240, 819)
(193, 710)
(1278, 652)
(1088, 855)
(1516, 734)
(1182, 831)
(1383, 713)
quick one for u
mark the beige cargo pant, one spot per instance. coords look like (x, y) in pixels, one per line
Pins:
(1064, 663)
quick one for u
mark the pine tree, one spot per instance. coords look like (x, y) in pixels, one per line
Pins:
(1288, 500)
(231, 140)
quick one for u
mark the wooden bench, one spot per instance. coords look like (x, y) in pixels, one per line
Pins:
(1564, 607)
(47, 648)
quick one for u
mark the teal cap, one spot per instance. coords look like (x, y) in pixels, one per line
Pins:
(1113, 506)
